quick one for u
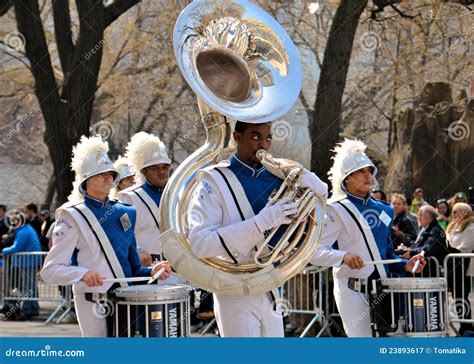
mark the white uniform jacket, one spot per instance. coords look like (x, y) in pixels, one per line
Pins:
(70, 232)
(147, 233)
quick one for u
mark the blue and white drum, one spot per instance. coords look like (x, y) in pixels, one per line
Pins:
(152, 311)
(417, 306)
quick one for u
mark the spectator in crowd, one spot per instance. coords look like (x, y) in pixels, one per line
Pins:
(417, 201)
(33, 218)
(458, 197)
(379, 195)
(431, 239)
(25, 268)
(47, 222)
(460, 236)
(442, 207)
(403, 230)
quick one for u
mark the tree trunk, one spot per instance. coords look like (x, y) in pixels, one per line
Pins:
(67, 114)
(324, 126)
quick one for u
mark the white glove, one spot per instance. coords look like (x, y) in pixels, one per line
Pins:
(276, 215)
(310, 180)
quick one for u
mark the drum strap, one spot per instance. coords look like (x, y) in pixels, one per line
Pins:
(103, 240)
(245, 210)
(366, 232)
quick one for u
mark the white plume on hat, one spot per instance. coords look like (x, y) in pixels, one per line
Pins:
(122, 165)
(89, 158)
(146, 150)
(350, 156)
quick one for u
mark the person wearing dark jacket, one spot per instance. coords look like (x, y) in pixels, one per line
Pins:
(31, 213)
(403, 230)
(431, 239)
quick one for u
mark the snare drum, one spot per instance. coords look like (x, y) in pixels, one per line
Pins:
(409, 307)
(152, 311)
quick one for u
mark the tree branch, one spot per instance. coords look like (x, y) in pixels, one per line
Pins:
(5, 5)
(63, 33)
(117, 8)
(29, 24)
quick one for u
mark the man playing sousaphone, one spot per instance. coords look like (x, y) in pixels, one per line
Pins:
(357, 230)
(218, 226)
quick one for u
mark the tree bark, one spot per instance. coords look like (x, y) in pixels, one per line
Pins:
(324, 126)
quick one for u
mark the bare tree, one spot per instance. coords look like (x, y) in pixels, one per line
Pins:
(66, 104)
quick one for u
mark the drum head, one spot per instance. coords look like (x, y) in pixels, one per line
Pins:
(145, 293)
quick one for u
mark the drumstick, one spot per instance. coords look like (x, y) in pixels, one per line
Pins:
(417, 263)
(155, 276)
(386, 261)
(119, 280)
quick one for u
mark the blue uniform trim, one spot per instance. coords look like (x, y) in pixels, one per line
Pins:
(121, 237)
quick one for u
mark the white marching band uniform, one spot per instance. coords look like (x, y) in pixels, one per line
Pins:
(147, 231)
(214, 216)
(358, 226)
(145, 150)
(217, 228)
(98, 235)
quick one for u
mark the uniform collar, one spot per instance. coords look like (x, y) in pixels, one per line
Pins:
(149, 185)
(358, 200)
(244, 168)
(95, 202)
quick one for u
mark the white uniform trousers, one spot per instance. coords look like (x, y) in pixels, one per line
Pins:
(249, 316)
(354, 309)
(92, 324)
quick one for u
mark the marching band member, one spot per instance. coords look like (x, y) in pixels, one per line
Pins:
(356, 230)
(147, 155)
(99, 233)
(126, 175)
(218, 227)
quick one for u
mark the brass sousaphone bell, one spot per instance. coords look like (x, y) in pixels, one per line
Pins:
(243, 66)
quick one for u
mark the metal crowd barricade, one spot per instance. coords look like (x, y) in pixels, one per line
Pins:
(21, 282)
(460, 285)
(303, 295)
(432, 268)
